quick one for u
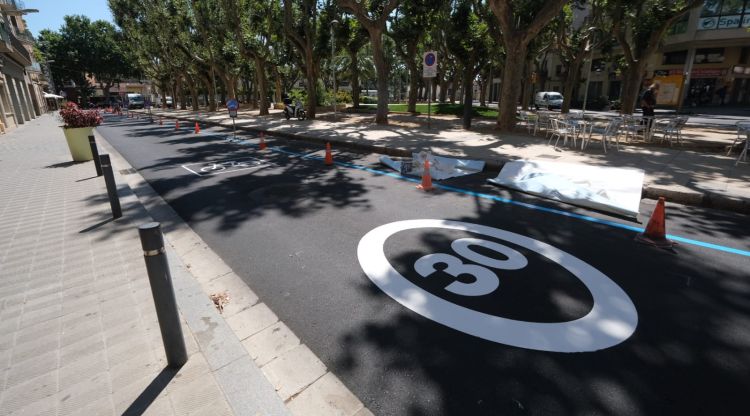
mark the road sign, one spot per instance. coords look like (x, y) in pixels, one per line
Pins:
(429, 64)
(232, 106)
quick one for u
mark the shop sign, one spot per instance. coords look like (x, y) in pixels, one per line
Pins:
(707, 73)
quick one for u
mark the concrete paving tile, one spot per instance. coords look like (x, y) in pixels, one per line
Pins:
(125, 351)
(71, 372)
(34, 332)
(41, 315)
(123, 373)
(36, 389)
(270, 343)
(219, 407)
(326, 396)
(124, 397)
(82, 348)
(38, 301)
(28, 350)
(44, 407)
(187, 398)
(101, 407)
(364, 412)
(162, 406)
(195, 369)
(251, 321)
(35, 366)
(293, 371)
(88, 390)
(74, 332)
(240, 295)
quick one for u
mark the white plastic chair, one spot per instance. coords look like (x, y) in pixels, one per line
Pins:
(561, 129)
(610, 132)
(743, 127)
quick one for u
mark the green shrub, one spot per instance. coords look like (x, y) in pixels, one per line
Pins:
(365, 99)
(615, 105)
(598, 103)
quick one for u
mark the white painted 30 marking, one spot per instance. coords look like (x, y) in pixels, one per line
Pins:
(612, 319)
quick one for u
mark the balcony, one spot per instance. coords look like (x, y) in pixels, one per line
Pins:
(14, 48)
(7, 5)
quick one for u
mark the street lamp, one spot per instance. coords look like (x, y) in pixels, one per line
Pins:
(333, 65)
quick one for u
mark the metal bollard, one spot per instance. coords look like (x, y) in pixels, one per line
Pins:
(160, 279)
(109, 179)
(95, 152)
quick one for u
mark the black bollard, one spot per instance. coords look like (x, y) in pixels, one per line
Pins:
(163, 293)
(95, 152)
(109, 179)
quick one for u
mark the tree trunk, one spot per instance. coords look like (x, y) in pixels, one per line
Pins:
(443, 89)
(632, 78)
(311, 77)
(572, 79)
(511, 86)
(183, 98)
(413, 85)
(277, 90)
(260, 76)
(194, 94)
(376, 39)
(468, 90)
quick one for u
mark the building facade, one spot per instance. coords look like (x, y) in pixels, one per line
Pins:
(704, 60)
(21, 78)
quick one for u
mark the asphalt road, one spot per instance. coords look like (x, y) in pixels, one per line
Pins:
(542, 312)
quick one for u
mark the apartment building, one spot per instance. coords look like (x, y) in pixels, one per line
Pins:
(21, 78)
(704, 60)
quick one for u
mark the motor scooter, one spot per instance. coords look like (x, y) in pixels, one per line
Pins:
(296, 110)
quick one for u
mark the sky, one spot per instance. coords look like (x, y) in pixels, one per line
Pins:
(51, 12)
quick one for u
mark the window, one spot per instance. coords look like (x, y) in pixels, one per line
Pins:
(674, 58)
(709, 56)
(679, 27)
(598, 65)
(724, 14)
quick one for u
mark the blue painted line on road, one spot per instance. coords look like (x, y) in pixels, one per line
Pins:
(556, 211)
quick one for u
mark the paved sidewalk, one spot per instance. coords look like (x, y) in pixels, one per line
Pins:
(78, 328)
(692, 176)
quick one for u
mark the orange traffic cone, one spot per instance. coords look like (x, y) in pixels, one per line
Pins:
(197, 128)
(655, 233)
(262, 145)
(426, 178)
(177, 124)
(329, 157)
(161, 122)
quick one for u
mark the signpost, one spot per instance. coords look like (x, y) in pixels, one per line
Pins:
(429, 71)
(233, 106)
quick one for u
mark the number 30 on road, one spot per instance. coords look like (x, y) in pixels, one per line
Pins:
(612, 319)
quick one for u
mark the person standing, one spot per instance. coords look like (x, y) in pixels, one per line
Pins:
(648, 104)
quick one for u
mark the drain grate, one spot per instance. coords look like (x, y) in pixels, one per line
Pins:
(548, 157)
(128, 171)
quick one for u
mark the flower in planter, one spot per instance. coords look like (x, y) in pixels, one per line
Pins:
(74, 117)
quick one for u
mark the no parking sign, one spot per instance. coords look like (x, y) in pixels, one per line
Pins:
(429, 64)
(233, 106)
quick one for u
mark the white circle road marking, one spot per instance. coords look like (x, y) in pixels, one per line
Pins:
(612, 319)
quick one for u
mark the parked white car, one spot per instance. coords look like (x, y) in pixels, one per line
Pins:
(548, 100)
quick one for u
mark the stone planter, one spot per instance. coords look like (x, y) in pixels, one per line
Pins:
(78, 143)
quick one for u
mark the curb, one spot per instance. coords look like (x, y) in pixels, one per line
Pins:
(705, 199)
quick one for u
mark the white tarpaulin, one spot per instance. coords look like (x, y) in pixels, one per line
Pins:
(614, 190)
(440, 167)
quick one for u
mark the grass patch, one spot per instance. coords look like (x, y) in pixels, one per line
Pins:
(442, 109)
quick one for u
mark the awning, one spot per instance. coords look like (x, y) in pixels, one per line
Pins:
(48, 95)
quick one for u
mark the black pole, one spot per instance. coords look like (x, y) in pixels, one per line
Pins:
(109, 179)
(95, 152)
(163, 293)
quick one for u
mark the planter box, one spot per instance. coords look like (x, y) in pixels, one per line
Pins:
(78, 143)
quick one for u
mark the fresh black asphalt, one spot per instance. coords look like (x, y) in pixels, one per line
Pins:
(290, 227)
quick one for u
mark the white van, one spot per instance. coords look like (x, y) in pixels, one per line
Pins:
(548, 100)
(135, 101)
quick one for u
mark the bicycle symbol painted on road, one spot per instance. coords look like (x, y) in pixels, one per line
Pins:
(225, 166)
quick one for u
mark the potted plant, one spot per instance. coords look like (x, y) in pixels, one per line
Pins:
(77, 128)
